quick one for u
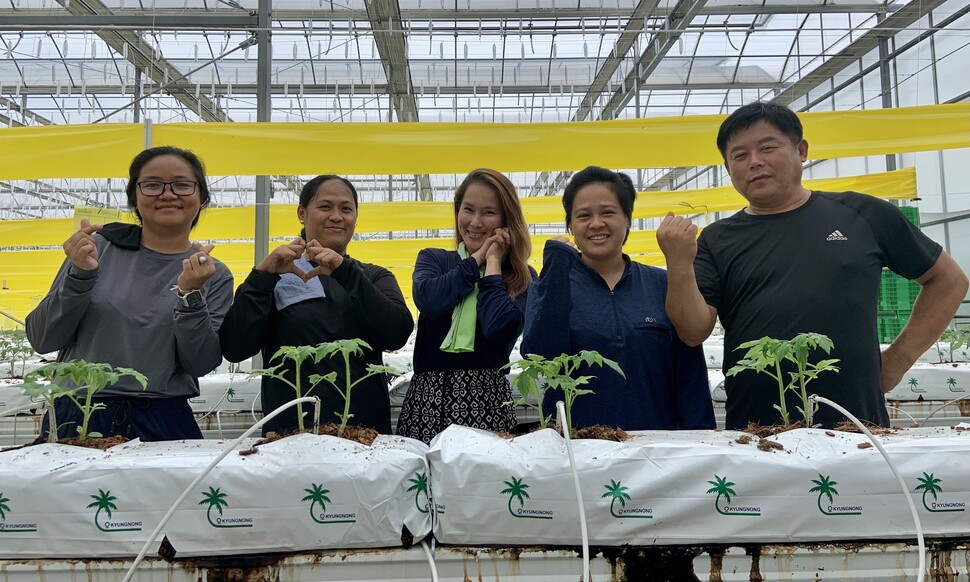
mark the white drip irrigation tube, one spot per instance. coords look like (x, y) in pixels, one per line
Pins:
(225, 393)
(899, 479)
(19, 409)
(561, 422)
(430, 556)
(252, 408)
(228, 449)
(901, 411)
(942, 406)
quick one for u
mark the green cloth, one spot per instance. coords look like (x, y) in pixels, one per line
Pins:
(461, 335)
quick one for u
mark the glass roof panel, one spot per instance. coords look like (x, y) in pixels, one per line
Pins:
(521, 61)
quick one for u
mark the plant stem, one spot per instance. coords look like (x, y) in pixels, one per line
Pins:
(299, 394)
(806, 405)
(82, 433)
(781, 394)
(52, 420)
(346, 415)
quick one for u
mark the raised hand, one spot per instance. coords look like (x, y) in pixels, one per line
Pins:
(80, 247)
(501, 240)
(327, 260)
(280, 261)
(197, 269)
(677, 237)
(562, 239)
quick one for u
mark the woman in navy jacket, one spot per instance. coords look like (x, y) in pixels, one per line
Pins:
(593, 297)
(471, 305)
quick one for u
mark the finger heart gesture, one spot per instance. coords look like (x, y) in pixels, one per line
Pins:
(198, 268)
(81, 249)
(327, 260)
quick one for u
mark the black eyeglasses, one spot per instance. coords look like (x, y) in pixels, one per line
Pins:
(179, 187)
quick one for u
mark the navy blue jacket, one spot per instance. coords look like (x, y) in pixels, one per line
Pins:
(441, 280)
(571, 308)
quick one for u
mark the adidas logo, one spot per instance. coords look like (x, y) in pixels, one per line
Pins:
(837, 235)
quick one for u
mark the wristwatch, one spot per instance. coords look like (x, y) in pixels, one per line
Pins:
(190, 299)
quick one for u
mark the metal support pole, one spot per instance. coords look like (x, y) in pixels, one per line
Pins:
(135, 108)
(885, 83)
(263, 108)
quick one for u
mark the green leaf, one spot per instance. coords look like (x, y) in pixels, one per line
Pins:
(317, 378)
(383, 369)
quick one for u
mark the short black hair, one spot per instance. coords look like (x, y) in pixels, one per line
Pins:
(621, 185)
(310, 188)
(779, 116)
(137, 164)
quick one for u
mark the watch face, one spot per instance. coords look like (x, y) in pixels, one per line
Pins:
(193, 298)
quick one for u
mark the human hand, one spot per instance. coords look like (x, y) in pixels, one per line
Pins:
(563, 239)
(501, 240)
(482, 251)
(327, 259)
(280, 261)
(894, 367)
(80, 247)
(197, 269)
(677, 237)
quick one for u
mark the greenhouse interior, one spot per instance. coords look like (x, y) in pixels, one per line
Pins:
(304, 184)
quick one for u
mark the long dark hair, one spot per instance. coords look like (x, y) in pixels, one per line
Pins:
(515, 267)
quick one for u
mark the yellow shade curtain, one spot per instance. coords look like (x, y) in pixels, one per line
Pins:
(229, 149)
(237, 223)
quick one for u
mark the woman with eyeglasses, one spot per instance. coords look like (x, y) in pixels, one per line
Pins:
(143, 297)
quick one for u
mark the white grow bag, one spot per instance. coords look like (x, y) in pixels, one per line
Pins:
(300, 493)
(933, 382)
(695, 487)
(230, 392)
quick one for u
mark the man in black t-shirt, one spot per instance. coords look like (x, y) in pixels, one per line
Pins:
(797, 261)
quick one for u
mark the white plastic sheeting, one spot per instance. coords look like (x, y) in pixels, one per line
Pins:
(695, 487)
(299, 493)
(933, 382)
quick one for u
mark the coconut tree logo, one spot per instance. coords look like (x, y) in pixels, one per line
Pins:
(15, 527)
(419, 484)
(231, 395)
(517, 490)
(914, 385)
(951, 383)
(723, 488)
(215, 498)
(317, 495)
(105, 502)
(4, 508)
(931, 485)
(617, 492)
(825, 486)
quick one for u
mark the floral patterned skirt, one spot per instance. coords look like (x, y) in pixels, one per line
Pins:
(475, 398)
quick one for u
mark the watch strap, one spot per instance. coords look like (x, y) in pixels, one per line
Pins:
(189, 299)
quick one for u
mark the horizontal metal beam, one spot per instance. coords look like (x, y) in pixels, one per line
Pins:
(17, 21)
(935, 218)
(363, 91)
(182, 19)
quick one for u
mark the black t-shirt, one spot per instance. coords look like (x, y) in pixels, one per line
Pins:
(813, 269)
